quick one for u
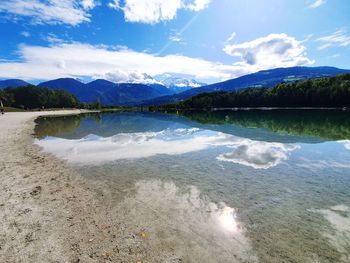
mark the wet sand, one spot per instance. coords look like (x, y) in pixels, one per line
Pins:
(48, 213)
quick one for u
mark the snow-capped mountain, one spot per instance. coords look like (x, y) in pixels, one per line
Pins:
(173, 83)
(181, 84)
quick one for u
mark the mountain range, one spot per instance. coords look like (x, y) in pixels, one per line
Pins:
(264, 78)
(107, 92)
(173, 89)
(110, 93)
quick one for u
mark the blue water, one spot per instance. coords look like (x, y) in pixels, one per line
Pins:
(220, 187)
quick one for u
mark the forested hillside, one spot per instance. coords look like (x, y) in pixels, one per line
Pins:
(31, 97)
(321, 92)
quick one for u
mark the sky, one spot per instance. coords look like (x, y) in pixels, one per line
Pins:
(207, 40)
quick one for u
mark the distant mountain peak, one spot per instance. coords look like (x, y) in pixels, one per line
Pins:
(60, 81)
(182, 82)
(102, 81)
(13, 83)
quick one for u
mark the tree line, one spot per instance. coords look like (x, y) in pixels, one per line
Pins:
(326, 124)
(321, 92)
(32, 97)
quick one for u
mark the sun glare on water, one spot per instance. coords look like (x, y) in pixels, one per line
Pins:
(227, 220)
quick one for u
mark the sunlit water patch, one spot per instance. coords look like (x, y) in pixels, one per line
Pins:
(218, 187)
(198, 229)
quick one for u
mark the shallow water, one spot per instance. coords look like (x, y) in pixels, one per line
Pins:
(255, 186)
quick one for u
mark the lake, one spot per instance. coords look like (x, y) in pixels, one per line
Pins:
(243, 186)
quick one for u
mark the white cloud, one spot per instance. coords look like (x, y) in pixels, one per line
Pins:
(85, 60)
(307, 38)
(317, 3)
(52, 38)
(115, 4)
(120, 76)
(196, 5)
(339, 38)
(335, 56)
(154, 11)
(81, 60)
(175, 38)
(25, 34)
(272, 51)
(88, 4)
(72, 12)
(231, 38)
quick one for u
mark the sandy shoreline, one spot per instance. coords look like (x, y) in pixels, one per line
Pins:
(47, 212)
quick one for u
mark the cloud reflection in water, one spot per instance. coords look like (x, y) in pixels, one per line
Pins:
(259, 155)
(338, 234)
(346, 144)
(95, 150)
(182, 219)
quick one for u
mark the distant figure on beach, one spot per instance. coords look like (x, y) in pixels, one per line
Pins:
(2, 107)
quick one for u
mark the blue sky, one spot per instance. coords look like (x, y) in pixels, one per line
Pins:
(209, 40)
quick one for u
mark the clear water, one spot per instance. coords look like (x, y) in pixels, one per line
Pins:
(250, 186)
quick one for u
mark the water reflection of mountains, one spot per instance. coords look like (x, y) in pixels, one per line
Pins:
(288, 126)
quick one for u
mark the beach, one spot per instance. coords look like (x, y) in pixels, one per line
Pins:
(47, 212)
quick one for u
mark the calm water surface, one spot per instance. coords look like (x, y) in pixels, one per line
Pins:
(251, 186)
